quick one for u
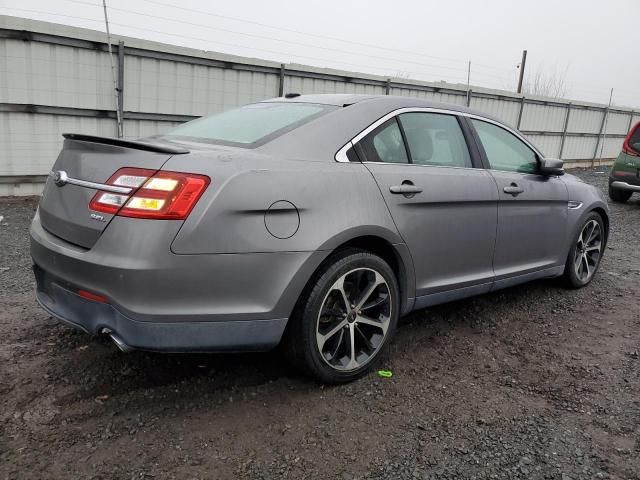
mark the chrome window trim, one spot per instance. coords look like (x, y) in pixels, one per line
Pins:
(93, 185)
(425, 165)
(341, 155)
(518, 173)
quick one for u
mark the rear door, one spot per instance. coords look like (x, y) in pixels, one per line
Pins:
(532, 208)
(64, 207)
(444, 208)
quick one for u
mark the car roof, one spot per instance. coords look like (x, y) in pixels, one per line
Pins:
(335, 99)
(392, 102)
(322, 137)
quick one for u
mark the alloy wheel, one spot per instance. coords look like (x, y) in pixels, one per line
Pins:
(354, 319)
(588, 251)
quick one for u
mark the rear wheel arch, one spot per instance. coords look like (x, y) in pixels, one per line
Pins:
(396, 255)
(390, 254)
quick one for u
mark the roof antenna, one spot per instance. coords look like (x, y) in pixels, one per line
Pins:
(292, 95)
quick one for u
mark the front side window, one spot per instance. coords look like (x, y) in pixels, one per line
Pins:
(385, 144)
(435, 139)
(504, 150)
(250, 124)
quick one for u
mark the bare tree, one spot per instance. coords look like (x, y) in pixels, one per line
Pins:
(546, 83)
(403, 74)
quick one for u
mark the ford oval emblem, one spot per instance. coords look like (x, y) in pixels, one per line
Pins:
(60, 178)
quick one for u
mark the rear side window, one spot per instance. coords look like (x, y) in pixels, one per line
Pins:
(435, 139)
(250, 124)
(504, 150)
(385, 144)
(634, 140)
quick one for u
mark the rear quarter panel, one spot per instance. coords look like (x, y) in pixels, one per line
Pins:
(332, 202)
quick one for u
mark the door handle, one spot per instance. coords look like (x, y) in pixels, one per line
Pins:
(405, 189)
(513, 189)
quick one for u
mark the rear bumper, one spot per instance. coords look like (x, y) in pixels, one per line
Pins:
(94, 317)
(625, 186)
(158, 300)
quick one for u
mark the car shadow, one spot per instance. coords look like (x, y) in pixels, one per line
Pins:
(99, 368)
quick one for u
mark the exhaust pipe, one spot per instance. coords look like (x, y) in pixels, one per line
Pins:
(120, 344)
(118, 341)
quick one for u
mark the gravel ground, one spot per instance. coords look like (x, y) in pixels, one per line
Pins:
(532, 382)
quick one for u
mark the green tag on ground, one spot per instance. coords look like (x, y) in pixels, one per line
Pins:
(385, 373)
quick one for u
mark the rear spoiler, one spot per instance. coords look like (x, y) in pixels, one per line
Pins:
(151, 146)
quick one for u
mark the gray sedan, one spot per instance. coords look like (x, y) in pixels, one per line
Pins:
(314, 221)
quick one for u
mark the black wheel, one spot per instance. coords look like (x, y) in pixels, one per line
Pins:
(618, 195)
(345, 318)
(586, 252)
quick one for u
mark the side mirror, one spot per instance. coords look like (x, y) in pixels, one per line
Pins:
(551, 166)
(635, 147)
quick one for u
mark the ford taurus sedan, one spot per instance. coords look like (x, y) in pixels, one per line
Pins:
(313, 221)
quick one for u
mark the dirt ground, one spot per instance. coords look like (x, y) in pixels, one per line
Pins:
(532, 382)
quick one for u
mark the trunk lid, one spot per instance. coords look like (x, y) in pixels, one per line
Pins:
(64, 209)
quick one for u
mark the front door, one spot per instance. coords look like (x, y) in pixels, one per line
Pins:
(445, 210)
(532, 208)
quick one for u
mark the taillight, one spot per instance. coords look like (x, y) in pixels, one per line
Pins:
(154, 195)
(94, 297)
(626, 147)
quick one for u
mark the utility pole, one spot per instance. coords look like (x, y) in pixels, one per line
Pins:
(522, 64)
(469, 84)
(604, 127)
(119, 127)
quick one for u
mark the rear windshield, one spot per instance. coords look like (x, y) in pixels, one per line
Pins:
(251, 124)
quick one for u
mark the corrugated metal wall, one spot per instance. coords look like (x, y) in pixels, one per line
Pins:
(169, 87)
(49, 74)
(318, 85)
(506, 110)
(546, 118)
(56, 79)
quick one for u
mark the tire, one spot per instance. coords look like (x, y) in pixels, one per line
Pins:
(323, 327)
(586, 252)
(618, 195)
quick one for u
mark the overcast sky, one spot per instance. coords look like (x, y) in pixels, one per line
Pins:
(592, 44)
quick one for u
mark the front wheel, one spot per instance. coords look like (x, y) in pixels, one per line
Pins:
(586, 252)
(345, 318)
(618, 195)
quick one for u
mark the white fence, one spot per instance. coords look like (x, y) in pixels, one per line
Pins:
(56, 79)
